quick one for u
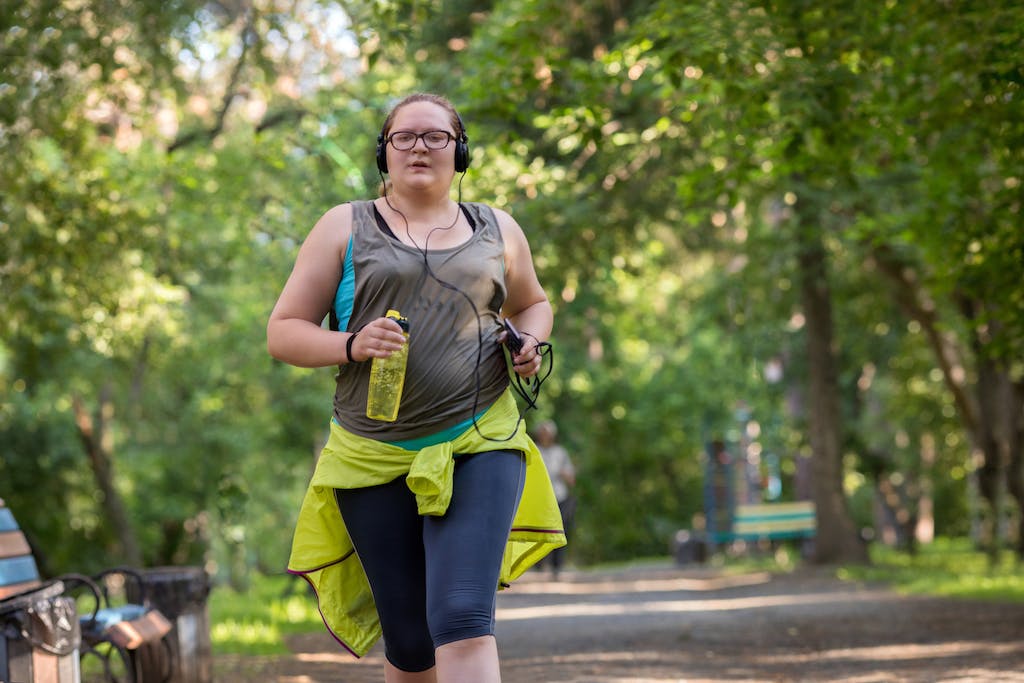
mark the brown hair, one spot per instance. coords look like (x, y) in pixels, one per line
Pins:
(439, 100)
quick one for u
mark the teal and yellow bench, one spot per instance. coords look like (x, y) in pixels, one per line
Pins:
(773, 521)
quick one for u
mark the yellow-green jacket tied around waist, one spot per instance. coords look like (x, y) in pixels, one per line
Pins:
(322, 551)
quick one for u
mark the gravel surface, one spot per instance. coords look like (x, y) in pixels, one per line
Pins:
(659, 624)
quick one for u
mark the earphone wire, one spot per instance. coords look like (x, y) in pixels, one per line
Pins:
(531, 392)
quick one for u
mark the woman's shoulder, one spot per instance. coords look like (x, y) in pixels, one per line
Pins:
(338, 212)
(501, 218)
(343, 216)
(335, 225)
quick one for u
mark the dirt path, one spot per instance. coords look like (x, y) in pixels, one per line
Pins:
(668, 624)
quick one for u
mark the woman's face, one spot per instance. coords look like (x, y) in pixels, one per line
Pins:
(420, 166)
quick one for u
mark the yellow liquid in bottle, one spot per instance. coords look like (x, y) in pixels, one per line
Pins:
(387, 379)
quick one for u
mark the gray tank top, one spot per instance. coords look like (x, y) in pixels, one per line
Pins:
(455, 363)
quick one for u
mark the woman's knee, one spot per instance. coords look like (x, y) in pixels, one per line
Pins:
(464, 615)
(409, 652)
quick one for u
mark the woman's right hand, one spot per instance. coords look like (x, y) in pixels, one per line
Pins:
(379, 338)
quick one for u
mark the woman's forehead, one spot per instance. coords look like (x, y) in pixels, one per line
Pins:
(422, 114)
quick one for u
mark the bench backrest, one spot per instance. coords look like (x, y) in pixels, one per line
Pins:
(18, 570)
(774, 520)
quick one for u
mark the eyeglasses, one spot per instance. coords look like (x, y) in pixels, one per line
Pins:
(404, 140)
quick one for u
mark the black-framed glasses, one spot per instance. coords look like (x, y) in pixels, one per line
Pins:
(404, 140)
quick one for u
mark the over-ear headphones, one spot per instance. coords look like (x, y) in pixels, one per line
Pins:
(461, 149)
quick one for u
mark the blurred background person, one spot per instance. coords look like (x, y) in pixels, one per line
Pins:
(563, 479)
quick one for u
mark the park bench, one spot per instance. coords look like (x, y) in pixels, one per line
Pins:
(773, 521)
(760, 525)
(742, 509)
(18, 571)
(134, 630)
(753, 524)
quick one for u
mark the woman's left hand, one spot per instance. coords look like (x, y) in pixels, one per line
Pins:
(527, 362)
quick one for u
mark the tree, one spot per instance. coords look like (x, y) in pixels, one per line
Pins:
(953, 255)
(157, 156)
(708, 188)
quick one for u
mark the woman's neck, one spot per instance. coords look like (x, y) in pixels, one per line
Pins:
(420, 208)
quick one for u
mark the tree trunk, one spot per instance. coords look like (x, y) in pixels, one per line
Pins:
(924, 531)
(990, 472)
(94, 431)
(837, 539)
(994, 391)
(988, 421)
(1015, 471)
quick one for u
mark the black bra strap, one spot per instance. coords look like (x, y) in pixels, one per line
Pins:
(386, 229)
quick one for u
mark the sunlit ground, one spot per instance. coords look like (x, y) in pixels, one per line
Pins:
(713, 583)
(660, 606)
(259, 622)
(582, 606)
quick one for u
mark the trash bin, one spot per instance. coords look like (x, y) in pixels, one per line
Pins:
(688, 548)
(39, 636)
(180, 593)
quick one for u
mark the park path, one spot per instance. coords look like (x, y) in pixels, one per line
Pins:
(661, 624)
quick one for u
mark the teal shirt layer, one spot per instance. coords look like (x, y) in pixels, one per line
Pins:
(432, 439)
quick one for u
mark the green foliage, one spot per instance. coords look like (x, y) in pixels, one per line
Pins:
(164, 160)
(141, 269)
(44, 485)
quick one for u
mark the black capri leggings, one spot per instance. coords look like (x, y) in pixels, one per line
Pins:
(435, 579)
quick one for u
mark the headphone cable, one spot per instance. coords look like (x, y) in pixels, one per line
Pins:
(528, 390)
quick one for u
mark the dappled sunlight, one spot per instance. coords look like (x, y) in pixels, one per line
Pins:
(580, 663)
(640, 585)
(967, 660)
(339, 657)
(681, 606)
(248, 633)
(860, 665)
(976, 650)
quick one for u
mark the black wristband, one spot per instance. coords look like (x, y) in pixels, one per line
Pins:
(348, 348)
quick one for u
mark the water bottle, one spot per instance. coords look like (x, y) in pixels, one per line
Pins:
(387, 377)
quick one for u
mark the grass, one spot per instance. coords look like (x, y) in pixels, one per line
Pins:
(256, 621)
(947, 567)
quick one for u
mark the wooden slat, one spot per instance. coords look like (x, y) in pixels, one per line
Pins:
(801, 507)
(13, 543)
(7, 521)
(44, 667)
(18, 570)
(768, 527)
(19, 660)
(774, 520)
(15, 588)
(68, 668)
(149, 628)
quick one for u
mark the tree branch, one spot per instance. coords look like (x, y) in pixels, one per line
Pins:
(230, 92)
(915, 303)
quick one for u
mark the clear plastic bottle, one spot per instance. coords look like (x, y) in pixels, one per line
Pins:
(387, 378)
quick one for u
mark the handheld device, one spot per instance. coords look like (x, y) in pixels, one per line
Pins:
(513, 340)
